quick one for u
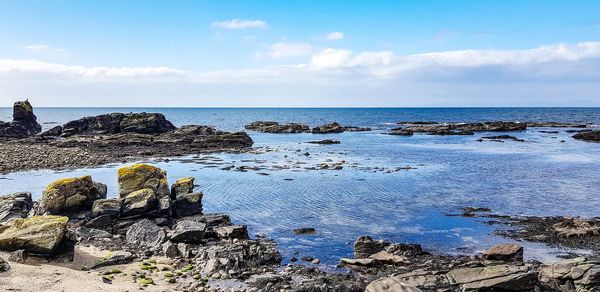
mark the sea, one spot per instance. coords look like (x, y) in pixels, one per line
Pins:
(397, 188)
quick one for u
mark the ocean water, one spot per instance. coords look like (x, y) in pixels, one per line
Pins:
(282, 188)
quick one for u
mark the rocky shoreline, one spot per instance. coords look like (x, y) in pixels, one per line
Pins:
(158, 237)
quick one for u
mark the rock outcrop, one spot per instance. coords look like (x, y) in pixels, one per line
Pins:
(114, 123)
(463, 128)
(70, 195)
(337, 128)
(24, 123)
(590, 136)
(36, 234)
(275, 127)
(15, 205)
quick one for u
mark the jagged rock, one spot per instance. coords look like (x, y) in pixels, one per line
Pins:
(188, 204)
(182, 186)
(15, 205)
(232, 231)
(36, 234)
(187, 231)
(400, 132)
(69, 195)
(170, 249)
(466, 128)
(113, 258)
(142, 176)
(500, 277)
(52, 132)
(141, 123)
(24, 122)
(390, 284)
(360, 262)
(365, 246)
(274, 127)
(591, 136)
(138, 202)
(403, 249)
(244, 254)
(305, 230)
(555, 125)
(102, 222)
(4, 266)
(18, 256)
(576, 274)
(328, 128)
(110, 207)
(91, 233)
(508, 252)
(145, 234)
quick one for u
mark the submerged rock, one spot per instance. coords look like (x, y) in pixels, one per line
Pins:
(15, 205)
(69, 195)
(24, 123)
(36, 234)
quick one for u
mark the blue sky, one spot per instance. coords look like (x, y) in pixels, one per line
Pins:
(300, 53)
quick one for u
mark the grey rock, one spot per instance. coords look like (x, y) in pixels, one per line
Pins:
(4, 266)
(113, 258)
(24, 123)
(508, 252)
(145, 234)
(188, 204)
(15, 205)
(170, 249)
(110, 207)
(187, 231)
(390, 284)
(18, 256)
(91, 233)
(232, 231)
(499, 277)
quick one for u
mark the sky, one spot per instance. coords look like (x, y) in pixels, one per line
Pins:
(300, 53)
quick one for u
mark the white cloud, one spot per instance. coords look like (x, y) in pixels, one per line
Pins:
(561, 74)
(335, 36)
(284, 50)
(239, 24)
(36, 48)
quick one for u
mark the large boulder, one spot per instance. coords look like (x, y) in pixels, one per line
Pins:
(494, 278)
(365, 246)
(138, 202)
(188, 204)
(182, 186)
(15, 206)
(70, 195)
(390, 284)
(187, 231)
(24, 122)
(114, 123)
(145, 234)
(142, 176)
(37, 234)
(110, 207)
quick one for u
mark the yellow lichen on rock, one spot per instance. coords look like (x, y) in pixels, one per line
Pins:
(71, 195)
(38, 234)
(182, 186)
(139, 176)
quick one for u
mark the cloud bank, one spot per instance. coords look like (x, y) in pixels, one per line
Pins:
(553, 75)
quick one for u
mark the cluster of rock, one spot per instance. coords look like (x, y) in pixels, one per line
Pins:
(501, 268)
(592, 136)
(24, 123)
(114, 123)
(275, 127)
(458, 128)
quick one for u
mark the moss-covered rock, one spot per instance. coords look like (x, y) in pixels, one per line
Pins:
(36, 234)
(139, 202)
(142, 176)
(182, 186)
(71, 195)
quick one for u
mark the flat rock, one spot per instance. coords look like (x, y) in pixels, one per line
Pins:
(508, 252)
(389, 258)
(390, 284)
(187, 231)
(506, 277)
(113, 258)
(232, 231)
(36, 234)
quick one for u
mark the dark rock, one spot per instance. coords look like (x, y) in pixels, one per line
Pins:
(365, 246)
(110, 207)
(305, 230)
(555, 125)
(161, 221)
(4, 266)
(232, 231)
(503, 137)
(141, 123)
(52, 132)
(24, 122)
(467, 128)
(170, 249)
(188, 204)
(504, 252)
(274, 127)
(590, 136)
(91, 233)
(324, 142)
(145, 235)
(400, 132)
(328, 128)
(15, 205)
(138, 202)
(187, 231)
(182, 186)
(102, 222)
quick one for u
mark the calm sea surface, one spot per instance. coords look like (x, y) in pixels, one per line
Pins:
(370, 196)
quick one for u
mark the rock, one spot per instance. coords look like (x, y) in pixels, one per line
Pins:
(590, 136)
(18, 256)
(389, 259)
(390, 284)
(91, 233)
(555, 125)
(359, 262)
(141, 123)
(328, 128)
(502, 138)
(507, 252)
(103, 222)
(24, 123)
(170, 249)
(324, 142)
(69, 195)
(113, 258)
(187, 231)
(466, 128)
(400, 132)
(142, 176)
(188, 204)
(576, 274)
(232, 231)
(138, 202)
(144, 234)
(305, 230)
(403, 249)
(500, 277)
(243, 255)
(36, 234)
(274, 127)
(110, 207)
(182, 186)
(4, 266)
(52, 132)
(365, 246)
(15, 205)
(165, 207)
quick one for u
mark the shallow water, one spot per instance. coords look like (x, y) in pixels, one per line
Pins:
(370, 196)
